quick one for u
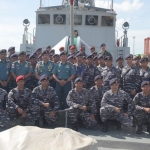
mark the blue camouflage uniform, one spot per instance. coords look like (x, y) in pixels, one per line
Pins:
(108, 104)
(40, 96)
(76, 100)
(63, 72)
(3, 99)
(22, 99)
(79, 70)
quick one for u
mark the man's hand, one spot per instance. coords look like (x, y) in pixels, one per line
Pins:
(117, 109)
(92, 117)
(133, 92)
(147, 110)
(20, 111)
(125, 114)
(46, 105)
(24, 114)
(61, 82)
(84, 108)
(52, 114)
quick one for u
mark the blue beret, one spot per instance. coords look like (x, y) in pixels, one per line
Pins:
(63, 53)
(10, 48)
(136, 57)
(22, 53)
(98, 77)
(78, 80)
(95, 58)
(44, 77)
(108, 58)
(119, 58)
(71, 56)
(90, 56)
(32, 56)
(13, 56)
(79, 54)
(145, 83)
(3, 51)
(44, 52)
(39, 49)
(144, 59)
(103, 44)
(52, 51)
(112, 81)
(55, 55)
(101, 56)
(129, 56)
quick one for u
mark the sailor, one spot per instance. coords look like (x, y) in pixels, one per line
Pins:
(136, 61)
(82, 50)
(109, 72)
(101, 62)
(72, 50)
(142, 107)
(63, 73)
(92, 49)
(112, 107)
(51, 57)
(97, 92)
(45, 67)
(94, 54)
(38, 52)
(104, 51)
(20, 104)
(45, 97)
(52, 52)
(5, 66)
(14, 57)
(119, 62)
(61, 49)
(89, 73)
(4, 118)
(27, 57)
(84, 59)
(130, 77)
(48, 48)
(70, 59)
(21, 67)
(33, 82)
(83, 106)
(56, 58)
(11, 50)
(39, 58)
(95, 61)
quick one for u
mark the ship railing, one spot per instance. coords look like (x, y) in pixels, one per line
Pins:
(30, 38)
(120, 42)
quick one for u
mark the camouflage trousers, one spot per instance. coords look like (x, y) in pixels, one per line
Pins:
(32, 114)
(44, 112)
(108, 113)
(141, 116)
(4, 118)
(84, 117)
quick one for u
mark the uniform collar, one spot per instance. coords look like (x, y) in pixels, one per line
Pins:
(144, 95)
(77, 91)
(97, 87)
(113, 93)
(23, 63)
(64, 63)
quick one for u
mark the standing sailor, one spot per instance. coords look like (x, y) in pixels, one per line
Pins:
(103, 51)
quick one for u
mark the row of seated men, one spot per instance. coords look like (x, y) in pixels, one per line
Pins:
(87, 107)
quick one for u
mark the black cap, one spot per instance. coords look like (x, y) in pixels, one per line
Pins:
(11, 48)
(52, 51)
(108, 58)
(101, 56)
(94, 53)
(44, 52)
(39, 49)
(63, 53)
(95, 58)
(98, 77)
(55, 55)
(145, 83)
(112, 81)
(144, 59)
(32, 56)
(78, 80)
(71, 56)
(79, 54)
(44, 77)
(3, 51)
(27, 54)
(22, 53)
(13, 56)
(119, 58)
(90, 56)
(129, 56)
(103, 44)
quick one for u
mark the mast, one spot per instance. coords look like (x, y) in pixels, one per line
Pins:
(40, 3)
(71, 22)
(112, 4)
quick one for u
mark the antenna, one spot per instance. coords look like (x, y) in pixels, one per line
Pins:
(112, 4)
(40, 3)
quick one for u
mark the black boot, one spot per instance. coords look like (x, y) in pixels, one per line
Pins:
(118, 125)
(44, 122)
(74, 126)
(37, 124)
(140, 129)
(148, 127)
(105, 126)
(22, 122)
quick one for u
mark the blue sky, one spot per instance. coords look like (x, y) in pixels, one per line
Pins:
(13, 12)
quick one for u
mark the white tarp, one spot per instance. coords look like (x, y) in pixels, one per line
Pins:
(34, 138)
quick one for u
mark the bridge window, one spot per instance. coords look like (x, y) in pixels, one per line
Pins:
(59, 19)
(107, 21)
(91, 20)
(43, 19)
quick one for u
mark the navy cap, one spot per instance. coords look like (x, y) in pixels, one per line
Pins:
(11, 48)
(32, 56)
(90, 56)
(119, 58)
(103, 44)
(84, 57)
(136, 57)
(78, 80)
(48, 47)
(3, 51)
(129, 56)
(98, 77)
(79, 54)
(63, 53)
(13, 56)
(112, 81)
(52, 51)
(101, 56)
(144, 59)
(44, 52)
(22, 53)
(50, 54)
(95, 58)
(27, 54)
(44, 77)
(39, 49)
(55, 55)
(39, 56)
(108, 58)
(94, 53)
(145, 83)
(71, 56)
